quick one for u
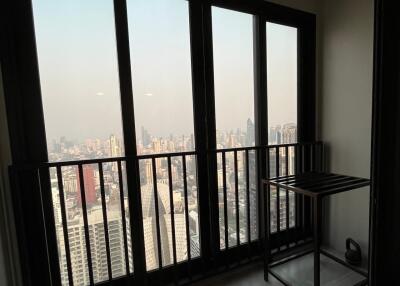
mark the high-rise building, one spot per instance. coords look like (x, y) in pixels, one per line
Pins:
(146, 139)
(289, 133)
(77, 245)
(89, 184)
(250, 133)
(115, 147)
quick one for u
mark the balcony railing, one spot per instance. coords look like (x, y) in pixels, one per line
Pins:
(93, 214)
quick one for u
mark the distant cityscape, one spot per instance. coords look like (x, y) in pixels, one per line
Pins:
(64, 149)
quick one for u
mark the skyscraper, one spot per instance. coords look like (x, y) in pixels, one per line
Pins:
(250, 133)
(115, 147)
(89, 183)
(146, 139)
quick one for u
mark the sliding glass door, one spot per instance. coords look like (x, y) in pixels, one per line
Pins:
(239, 128)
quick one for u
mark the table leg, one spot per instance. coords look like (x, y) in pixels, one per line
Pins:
(317, 240)
(267, 250)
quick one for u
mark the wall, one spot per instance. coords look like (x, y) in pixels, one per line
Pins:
(346, 65)
(344, 100)
(311, 6)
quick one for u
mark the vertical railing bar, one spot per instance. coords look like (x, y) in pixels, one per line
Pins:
(153, 163)
(303, 156)
(172, 210)
(225, 199)
(260, 174)
(186, 214)
(248, 197)
(65, 225)
(278, 201)
(312, 157)
(269, 199)
(297, 196)
(321, 159)
(85, 224)
(302, 162)
(309, 166)
(237, 198)
(287, 195)
(105, 220)
(287, 160)
(123, 214)
(267, 225)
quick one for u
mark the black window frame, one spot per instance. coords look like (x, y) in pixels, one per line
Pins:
(36, 235)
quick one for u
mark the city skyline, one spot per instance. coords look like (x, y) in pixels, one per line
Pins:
(79, 68)
(80, 88)
(168, 144)
(157, 218)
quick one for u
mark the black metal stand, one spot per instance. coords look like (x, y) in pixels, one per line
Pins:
(316, 186)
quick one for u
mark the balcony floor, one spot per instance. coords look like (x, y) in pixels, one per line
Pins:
(299, 272)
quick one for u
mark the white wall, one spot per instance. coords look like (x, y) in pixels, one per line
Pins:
(346, 65)
(344, 99)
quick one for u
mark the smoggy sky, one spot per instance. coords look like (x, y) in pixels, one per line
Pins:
(79, 70)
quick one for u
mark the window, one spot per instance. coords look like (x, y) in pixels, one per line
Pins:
(78, 67)
(161, 71)
(79, 78)
(282, 112)
(162, 90)
(234, 112)
(282, 83)
(88, 50)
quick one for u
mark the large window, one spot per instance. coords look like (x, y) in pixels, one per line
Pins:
(172, 53)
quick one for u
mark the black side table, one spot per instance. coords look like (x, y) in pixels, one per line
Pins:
(316, 186)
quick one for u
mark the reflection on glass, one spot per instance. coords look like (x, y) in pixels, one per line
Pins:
(166, 211)
(161, 72)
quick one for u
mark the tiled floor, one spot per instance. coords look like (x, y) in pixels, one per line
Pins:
(299, 272)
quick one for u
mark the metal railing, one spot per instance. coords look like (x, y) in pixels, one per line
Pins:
(89, 252)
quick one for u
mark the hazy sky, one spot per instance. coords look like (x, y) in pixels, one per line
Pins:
(79, 72)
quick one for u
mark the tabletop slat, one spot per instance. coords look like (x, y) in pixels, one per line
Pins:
(318, 184)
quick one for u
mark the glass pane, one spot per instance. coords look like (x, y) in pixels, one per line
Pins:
(162, 90)
(282, 113)
(234, 108)
(161, 69)
(233, 78)
(282, 83)
(79, 78)
(80, 89)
